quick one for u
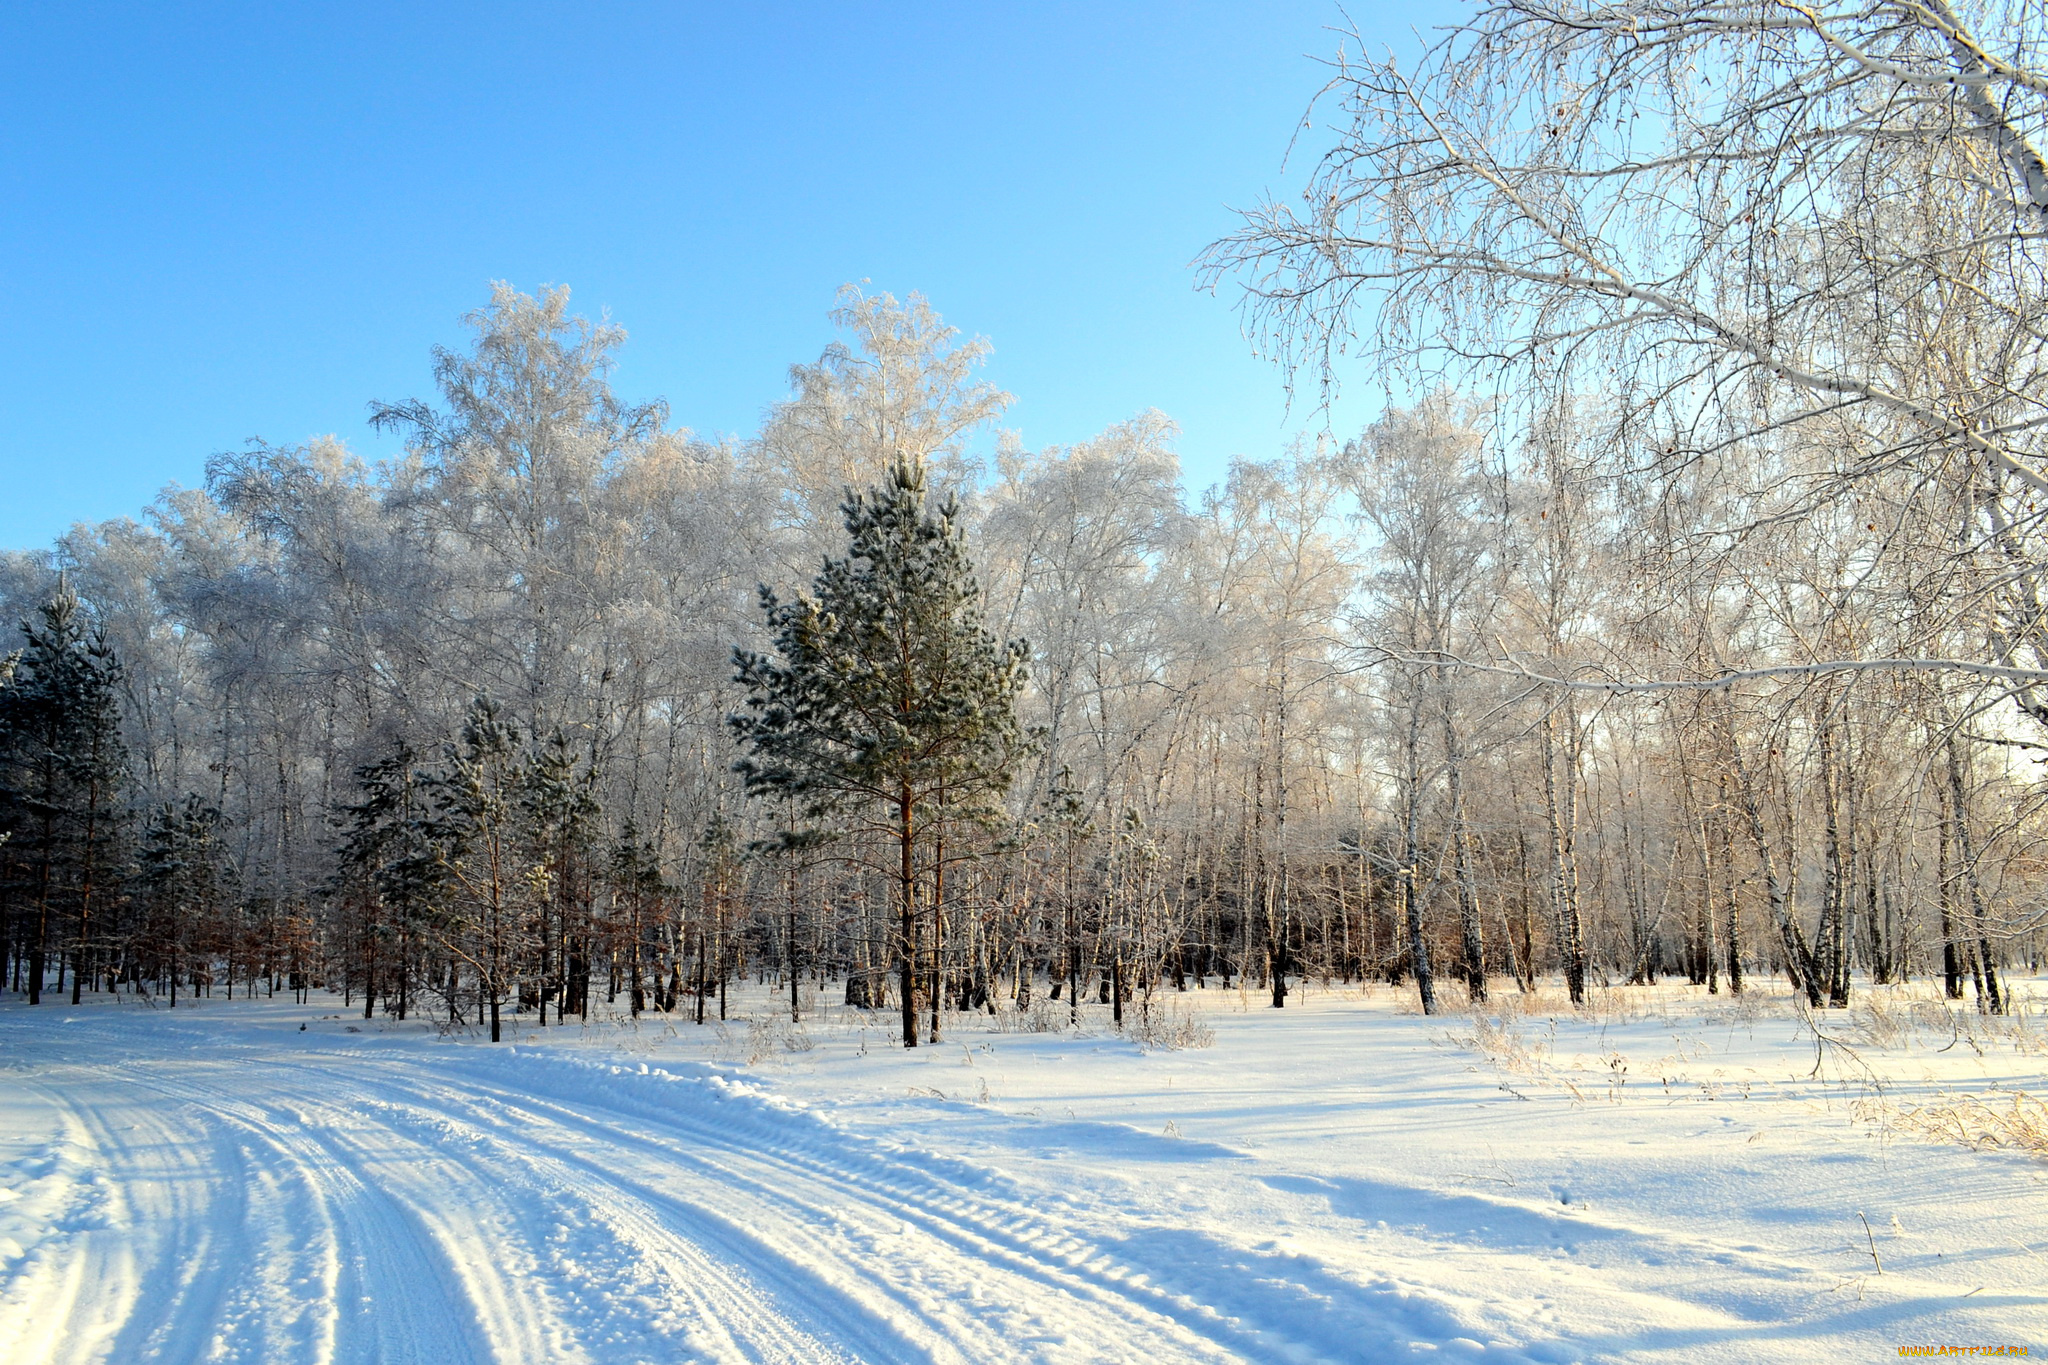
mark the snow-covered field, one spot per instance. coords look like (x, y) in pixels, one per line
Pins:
(1667, 1178)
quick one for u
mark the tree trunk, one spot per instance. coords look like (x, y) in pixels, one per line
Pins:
(1991, 999)
(1411, 856)
(1834, 968)
(1560, 806)
(1470, 932)
(906, 911)
(1798, 957)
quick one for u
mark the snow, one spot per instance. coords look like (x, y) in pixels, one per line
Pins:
(1664, 1177)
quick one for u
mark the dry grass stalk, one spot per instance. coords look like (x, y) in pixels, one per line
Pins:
(2007, 1121)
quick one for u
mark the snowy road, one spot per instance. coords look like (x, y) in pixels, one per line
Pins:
(267, 1202)
(228, 1188)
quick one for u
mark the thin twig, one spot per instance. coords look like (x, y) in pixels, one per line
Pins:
(1871, 1238)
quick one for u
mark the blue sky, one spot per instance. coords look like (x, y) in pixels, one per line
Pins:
(224, 222)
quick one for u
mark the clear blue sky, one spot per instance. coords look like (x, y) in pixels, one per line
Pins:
(224, 221)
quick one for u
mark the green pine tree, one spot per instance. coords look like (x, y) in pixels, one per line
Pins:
(184, 878)
(1065, 826)
(476, 826)
(559, 801)
(389, 880)
(636, 889)
(63, 768)
(886, 708)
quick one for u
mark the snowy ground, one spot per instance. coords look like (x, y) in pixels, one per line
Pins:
(1671, 1178)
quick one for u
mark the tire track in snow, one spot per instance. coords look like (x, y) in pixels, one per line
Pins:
(267, 1234)
(976, 1240)
(157, 1252)
(414, 1202)
(497, 1217)
(695, 1199)
(382, 1273)
(61, 1295)
(836, 1306)
(686, 1240)
(620, 1253)
(983, 1232)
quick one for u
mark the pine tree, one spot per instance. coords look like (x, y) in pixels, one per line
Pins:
(1064, 819)
(887, 705)
(184, 879)
(721, 867)
(389, 873)
(476, 819)
(560, 805)
(636, 891)
(63, 768)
